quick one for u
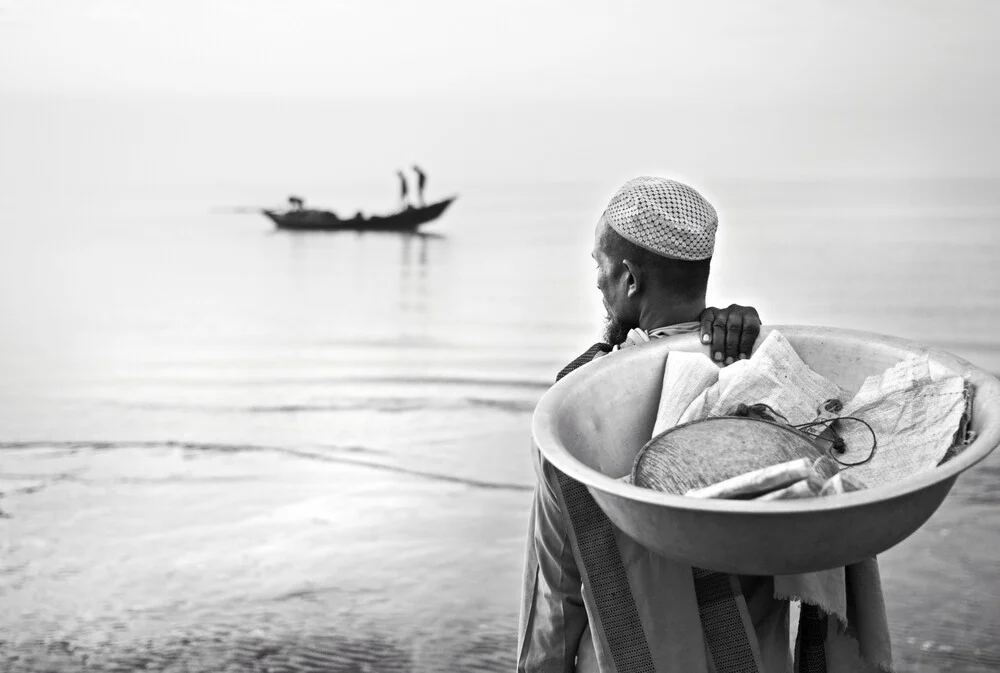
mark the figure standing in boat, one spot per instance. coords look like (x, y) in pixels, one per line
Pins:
(421, 182)
(403, 191)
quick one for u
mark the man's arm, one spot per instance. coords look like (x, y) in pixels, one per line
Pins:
(731, 331)
(553, 616)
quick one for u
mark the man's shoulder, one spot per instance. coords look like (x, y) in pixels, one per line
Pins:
(585, 357)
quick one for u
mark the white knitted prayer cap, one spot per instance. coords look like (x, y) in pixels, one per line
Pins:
(664, 217)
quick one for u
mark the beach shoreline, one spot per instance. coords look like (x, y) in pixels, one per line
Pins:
(178, 559)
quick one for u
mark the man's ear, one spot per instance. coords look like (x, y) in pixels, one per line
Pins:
(634, 279)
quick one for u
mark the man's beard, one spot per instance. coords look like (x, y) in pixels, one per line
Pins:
(615, 332)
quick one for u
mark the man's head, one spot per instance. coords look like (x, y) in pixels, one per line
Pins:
(653, 247)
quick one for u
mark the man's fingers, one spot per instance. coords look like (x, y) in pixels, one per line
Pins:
(707, 320)
(734, 332)
(718, 338)
(731, 331)
(751, 330)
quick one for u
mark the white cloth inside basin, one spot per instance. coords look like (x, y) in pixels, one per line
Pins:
(918, 412)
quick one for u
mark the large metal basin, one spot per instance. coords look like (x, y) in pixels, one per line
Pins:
(593, 422)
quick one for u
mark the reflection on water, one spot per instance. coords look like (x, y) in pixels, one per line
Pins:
(413, 275)
(357, 255)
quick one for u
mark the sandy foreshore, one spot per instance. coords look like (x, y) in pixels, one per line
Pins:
(186, 558)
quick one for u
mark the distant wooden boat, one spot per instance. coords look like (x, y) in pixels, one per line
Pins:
(323, 220)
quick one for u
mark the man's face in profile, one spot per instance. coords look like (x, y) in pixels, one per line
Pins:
(611, 275)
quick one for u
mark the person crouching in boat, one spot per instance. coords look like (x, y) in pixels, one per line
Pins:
(653, 248)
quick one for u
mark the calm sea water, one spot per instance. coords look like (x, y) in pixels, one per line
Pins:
(221, 445)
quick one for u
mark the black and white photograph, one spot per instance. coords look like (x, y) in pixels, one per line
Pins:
(372, 336)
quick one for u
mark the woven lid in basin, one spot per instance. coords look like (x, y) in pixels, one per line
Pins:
(702, 453)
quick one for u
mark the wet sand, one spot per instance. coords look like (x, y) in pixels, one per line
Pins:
(182, 558)
(214, 558)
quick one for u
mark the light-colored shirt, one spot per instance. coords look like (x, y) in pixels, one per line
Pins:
(554, 634)
(637, 336)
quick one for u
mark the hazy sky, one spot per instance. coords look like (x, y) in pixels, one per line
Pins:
(893, 86)
(896, 50)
